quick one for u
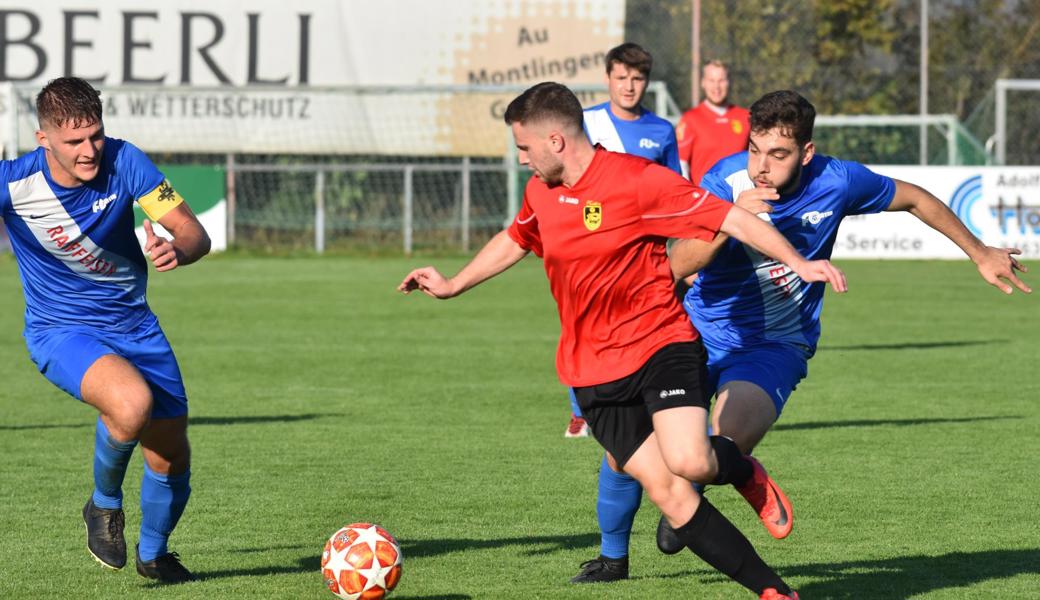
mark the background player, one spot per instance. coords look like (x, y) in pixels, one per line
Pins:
(68, 209)
(623, 125)
(759, 322)
(714, 128)
(603, 217)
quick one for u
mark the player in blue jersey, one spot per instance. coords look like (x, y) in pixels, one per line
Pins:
(759, 322)
(622, 125)
(68, 210)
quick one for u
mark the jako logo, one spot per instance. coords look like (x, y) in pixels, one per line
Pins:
(567, 200)
(814, 217)
(648, 143)
(669, 393)
(103, 202)
(964, 197)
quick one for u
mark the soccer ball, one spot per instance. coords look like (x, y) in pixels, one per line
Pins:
(361, 562)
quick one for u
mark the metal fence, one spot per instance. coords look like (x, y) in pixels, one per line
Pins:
(398, 203)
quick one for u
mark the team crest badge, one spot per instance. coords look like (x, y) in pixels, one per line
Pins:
(593, 213)
(736, 126)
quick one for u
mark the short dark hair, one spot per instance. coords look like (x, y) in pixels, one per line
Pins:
(546, 101)
(68, 101)
(789, 111)
(632, 56)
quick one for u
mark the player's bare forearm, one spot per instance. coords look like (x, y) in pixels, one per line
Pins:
(500, 253)
(689, 256)
(191, 242)
(932, 212)
(996, 265)
(763, 237)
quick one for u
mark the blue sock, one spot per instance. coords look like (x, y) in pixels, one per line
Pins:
(575, 410)
(110, 461)
(163, 498)
(616, 506)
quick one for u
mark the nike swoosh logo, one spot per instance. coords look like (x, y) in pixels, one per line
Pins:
(779, 394)
(782, 519)
(34, 217)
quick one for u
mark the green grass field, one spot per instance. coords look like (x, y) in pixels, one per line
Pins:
(320, 396)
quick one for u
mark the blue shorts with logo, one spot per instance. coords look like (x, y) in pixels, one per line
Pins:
(776, 368)
(63, 355)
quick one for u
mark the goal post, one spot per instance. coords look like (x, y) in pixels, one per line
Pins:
(1001, 109)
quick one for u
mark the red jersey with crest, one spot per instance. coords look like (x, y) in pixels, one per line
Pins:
(603, 245)
(705, 137)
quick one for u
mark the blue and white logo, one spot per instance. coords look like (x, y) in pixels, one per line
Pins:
(964, 198)
(814, 217)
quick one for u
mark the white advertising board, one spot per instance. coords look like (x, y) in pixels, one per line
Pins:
(1000, 205)
(173, 71)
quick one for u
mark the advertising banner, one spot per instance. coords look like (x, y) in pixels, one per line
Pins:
(1000, 205)
(262, 76)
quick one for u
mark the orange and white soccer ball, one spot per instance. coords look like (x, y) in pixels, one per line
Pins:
(361, 562)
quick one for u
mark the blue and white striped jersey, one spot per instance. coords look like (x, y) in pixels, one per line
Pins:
(649, 136)
(79, 260)
(743, 298)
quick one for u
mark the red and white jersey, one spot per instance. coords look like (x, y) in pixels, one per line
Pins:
(705, 137)
(603, 245)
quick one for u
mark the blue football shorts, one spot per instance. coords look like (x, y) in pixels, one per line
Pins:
(776, 368)
(63, 355)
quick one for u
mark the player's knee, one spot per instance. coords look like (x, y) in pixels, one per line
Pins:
(130, 412)
(692, 466)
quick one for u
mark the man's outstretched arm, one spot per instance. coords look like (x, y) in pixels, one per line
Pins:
(996, 265)
(500, 253)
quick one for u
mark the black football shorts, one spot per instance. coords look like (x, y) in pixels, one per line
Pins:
(620, 412)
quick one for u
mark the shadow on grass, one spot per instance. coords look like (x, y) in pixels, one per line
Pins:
(908, 576)
(892, 578)
(414, 549)
(46, 426)
(192, 421)
(251, 419)
(913, 345)
(884, 422)
(548, 544)
(437, 597)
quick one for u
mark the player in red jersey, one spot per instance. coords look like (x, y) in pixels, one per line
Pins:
(600, 221)
(714, 128)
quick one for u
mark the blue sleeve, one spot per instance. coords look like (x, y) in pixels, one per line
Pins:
(5, 194)
(868, 192)
(717, 185)
(134, 166)
(671, 151)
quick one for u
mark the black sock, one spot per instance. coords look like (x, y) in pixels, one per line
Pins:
(733, 467)
(720, 544)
